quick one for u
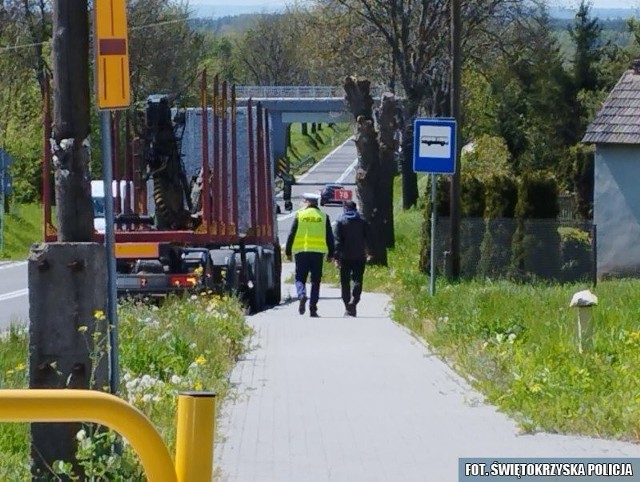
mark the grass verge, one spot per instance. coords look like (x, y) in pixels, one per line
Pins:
(186, 344)
(517, 343)
(315, 145)
(23, 227)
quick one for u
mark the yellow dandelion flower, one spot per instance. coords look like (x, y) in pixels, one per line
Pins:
(198, 386)
(83, 328)
(535, 388)
(20, 367)
(99, 315)
(201, 360)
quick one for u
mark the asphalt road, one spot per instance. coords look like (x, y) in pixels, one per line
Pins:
(338, 166)
(14, 300)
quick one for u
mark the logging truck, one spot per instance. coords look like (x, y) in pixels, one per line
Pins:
(196, 207)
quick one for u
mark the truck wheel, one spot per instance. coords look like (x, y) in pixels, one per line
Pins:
(230, 278)
(257, 295)
(274, 294)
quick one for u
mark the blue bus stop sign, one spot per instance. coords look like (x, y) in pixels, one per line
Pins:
(434, 145)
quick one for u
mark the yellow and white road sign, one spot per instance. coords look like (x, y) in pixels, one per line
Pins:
(112, 54)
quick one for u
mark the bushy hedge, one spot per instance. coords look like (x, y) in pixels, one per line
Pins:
(535, 255)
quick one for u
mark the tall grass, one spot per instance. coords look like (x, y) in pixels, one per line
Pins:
(23, 227)
(517, 343)
(185, 344)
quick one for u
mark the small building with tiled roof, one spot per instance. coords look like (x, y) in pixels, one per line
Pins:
(615, 131)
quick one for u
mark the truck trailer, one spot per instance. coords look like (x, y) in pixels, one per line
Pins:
(210, 221)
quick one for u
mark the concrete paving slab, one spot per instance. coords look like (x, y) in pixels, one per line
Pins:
(361, 399)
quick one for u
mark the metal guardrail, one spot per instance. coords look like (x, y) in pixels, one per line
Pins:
(303, 163)
(295, 91)
(194, 434)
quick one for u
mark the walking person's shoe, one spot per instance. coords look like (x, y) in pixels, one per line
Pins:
(351, 309)
(313, 312)
(302, 304)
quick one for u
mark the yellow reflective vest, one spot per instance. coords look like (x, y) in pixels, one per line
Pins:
(311, 234)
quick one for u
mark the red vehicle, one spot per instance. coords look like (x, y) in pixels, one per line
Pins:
(334, 194)
(205, 225)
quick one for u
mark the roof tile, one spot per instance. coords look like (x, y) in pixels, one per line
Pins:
(618, 122)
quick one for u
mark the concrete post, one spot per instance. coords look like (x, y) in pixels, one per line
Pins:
(67, 335)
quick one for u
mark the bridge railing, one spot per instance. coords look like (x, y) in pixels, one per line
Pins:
(294, 91)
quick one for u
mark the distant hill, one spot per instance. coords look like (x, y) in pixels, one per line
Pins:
(228, 24)
(238, 18)
(602, 13)
(209, 11)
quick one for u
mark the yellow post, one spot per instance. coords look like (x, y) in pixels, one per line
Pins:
(59, 405)
(194, 436)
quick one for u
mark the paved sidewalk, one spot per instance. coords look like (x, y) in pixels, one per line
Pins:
(362, 400)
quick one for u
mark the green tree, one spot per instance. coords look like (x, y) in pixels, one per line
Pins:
(537, 110)
(586, 35)
(270, 52)
(417, 35)
(164, 51)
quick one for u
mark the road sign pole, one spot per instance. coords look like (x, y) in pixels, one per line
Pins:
(432, 262)
(109, 241)
(434, 152)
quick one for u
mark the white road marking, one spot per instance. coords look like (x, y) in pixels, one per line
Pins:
(13, 265)
(342, 177)
(14, 294)
(316, 165)
(348, 171)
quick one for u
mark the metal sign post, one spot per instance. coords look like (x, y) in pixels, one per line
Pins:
(434, 152)
(2, 194)
(113, 92)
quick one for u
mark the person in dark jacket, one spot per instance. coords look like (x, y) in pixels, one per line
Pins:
(310, 239)
(350, 233)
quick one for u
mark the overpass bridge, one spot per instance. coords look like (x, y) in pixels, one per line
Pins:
(304, 103)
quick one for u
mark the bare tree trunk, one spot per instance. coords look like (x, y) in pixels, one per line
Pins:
(387, 128)
(374, 174)
(409, 177)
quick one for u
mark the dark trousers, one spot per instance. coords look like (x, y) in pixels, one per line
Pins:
(309, 263)
(351, 271)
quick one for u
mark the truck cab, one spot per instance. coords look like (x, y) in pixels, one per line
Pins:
(97, 199)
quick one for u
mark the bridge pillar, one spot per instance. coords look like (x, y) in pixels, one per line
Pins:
(278, 134)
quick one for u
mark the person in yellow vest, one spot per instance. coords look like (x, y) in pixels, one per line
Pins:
(310, 240)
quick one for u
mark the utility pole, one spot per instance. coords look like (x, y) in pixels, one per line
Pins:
(453, 265)
(67, 279)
